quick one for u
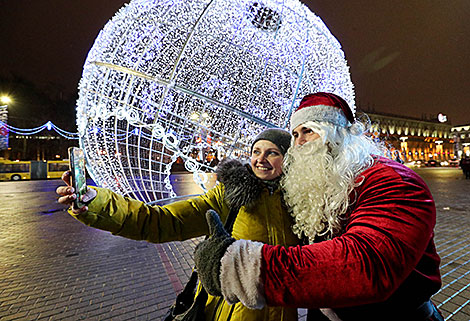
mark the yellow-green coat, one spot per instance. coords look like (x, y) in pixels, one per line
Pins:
(266, 220)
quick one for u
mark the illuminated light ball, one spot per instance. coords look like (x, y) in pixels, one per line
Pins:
(197, 80)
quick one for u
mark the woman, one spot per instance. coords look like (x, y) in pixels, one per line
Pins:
(253, 189)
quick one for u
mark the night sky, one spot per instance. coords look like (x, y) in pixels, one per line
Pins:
(405, 57)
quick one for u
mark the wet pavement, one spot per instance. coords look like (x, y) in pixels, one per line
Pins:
(55, 268)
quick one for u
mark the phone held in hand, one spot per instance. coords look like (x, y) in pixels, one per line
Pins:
(78, 176)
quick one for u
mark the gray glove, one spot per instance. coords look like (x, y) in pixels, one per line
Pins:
(209, 252)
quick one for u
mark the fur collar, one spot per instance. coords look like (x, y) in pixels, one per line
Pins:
(242, 187)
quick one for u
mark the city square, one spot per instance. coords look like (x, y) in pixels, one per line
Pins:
(149, 98)
(55, 268)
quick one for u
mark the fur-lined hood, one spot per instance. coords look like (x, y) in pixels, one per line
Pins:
(242, 187)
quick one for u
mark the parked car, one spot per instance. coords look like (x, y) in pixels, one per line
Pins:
(454, 162)
(420, 163)
(432, 163)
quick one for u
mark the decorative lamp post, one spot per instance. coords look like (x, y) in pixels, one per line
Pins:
(4, 101)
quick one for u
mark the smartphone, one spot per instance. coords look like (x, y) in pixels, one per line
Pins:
(78, 176)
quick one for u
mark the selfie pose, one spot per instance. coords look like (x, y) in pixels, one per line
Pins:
(369, 222)
(254, 190)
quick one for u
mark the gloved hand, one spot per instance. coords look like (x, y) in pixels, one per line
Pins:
(209, 252)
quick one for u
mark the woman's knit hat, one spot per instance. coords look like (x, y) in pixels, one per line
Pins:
(279, 137)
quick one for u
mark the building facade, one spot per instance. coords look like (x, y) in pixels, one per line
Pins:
(461, 137)
(414, 139)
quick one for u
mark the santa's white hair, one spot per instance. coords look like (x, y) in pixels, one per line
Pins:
(320, 175)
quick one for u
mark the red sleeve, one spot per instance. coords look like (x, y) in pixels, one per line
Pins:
(386, 234)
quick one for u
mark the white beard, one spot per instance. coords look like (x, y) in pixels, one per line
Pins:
(315, 190)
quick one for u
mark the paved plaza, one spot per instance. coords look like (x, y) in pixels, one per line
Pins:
(55, 268)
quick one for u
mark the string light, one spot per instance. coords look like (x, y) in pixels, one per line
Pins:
(32, 131)
(170, 79)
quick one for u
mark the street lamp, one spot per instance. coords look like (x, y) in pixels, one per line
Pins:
(5, 100)
(439, 148)
(404, 147)
(204, 120)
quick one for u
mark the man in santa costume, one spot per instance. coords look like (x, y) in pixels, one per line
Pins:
(367, 222)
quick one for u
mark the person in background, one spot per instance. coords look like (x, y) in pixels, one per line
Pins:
(369, 222)
(254, 190)
(465, 166)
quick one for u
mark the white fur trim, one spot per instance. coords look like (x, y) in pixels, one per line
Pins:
(240, 274)
(318, 113)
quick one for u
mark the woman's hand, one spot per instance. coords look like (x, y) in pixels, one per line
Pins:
(67, 194)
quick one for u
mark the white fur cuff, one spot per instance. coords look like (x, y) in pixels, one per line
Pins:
(240, 274)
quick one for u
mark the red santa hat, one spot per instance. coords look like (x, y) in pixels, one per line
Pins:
(323, 107)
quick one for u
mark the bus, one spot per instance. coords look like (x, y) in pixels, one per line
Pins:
(55, 169)
(14, 170)
(21, 170)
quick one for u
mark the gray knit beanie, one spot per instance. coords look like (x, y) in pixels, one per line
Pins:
(278, 137)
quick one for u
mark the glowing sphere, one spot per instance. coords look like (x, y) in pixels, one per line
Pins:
(194, 80)
(442, 118)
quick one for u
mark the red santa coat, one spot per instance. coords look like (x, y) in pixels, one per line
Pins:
(384, 262)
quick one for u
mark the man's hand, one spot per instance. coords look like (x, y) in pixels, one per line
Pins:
(209, 252)
(67, 194)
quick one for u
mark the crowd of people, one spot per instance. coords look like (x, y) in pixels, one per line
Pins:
(324, 222)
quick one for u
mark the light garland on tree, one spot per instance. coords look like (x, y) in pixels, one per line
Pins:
(243, 63)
